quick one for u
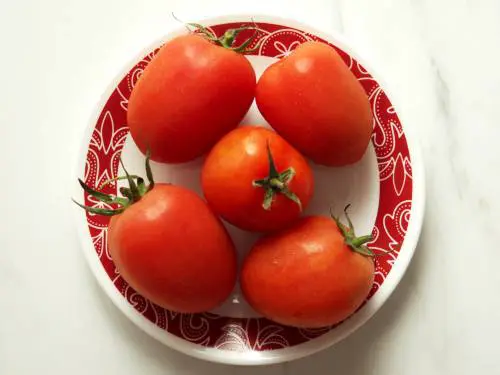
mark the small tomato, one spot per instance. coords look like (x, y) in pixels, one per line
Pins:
(256, 181)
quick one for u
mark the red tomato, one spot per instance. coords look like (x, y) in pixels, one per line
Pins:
(168, 245)
(190, 95)
(308, 275)
(171, 248)
(255, 180)
(313, 100)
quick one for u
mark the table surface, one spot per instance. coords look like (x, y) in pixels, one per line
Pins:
(441, 60)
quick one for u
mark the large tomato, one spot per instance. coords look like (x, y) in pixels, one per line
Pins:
(255, 180)
(170, 247)
(313, 100)
(313, 274)
(191, 94)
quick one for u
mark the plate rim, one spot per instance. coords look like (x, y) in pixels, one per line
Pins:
(279, 355)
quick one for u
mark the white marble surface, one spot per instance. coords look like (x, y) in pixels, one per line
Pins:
(442, 60)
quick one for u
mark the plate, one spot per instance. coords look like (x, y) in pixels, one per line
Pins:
(385, 189)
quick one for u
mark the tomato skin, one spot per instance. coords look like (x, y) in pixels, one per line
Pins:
(313, 101)
(190, 95)
(306, 276)
(173, 250)
(240, 158)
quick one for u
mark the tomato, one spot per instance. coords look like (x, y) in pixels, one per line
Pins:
(170, 247)
(190, 95)
(256, 181)
(313, 100)
(309, 275)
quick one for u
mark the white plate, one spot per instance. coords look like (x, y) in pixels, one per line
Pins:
(386, 190)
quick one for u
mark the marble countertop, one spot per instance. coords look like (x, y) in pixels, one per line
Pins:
(441, 60)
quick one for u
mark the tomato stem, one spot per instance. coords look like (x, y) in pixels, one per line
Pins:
(118, 178)
(357, 244)
(133, 186)
(358, 241)
(135, 191)
(228, 38)
(276, 183)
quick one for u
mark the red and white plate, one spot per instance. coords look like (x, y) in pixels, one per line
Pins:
(385, 190)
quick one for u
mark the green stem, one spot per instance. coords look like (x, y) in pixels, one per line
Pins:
(229, 37)
(356, 244)
(276, 183)
(118, 178)
(135, 191)
(359, 241)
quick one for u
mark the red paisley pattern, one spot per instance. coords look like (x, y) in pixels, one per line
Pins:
(253, 334)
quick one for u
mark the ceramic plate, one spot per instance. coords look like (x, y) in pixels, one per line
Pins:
(385, 189)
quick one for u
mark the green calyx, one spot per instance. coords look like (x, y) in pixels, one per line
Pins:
(276, 183)
(136, 189)
(228, 38)
(357, 244)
